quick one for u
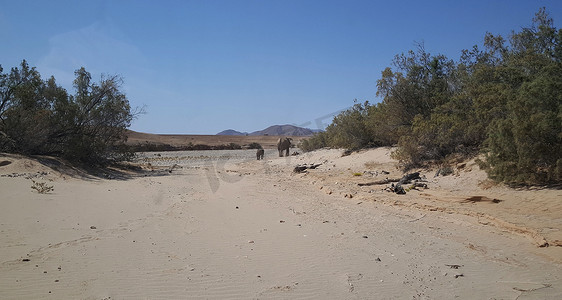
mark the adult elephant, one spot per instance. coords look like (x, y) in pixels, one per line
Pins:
(283, 144)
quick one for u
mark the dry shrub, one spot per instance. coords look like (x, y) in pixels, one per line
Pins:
(41, 187)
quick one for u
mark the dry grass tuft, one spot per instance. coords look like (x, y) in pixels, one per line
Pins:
(41, 187)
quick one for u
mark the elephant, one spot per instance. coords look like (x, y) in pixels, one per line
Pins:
(284, 144)
(260, 153)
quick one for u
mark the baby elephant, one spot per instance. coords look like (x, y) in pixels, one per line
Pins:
(260, 153)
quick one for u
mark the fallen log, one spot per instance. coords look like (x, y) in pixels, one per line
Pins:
(302, 168)
(409, 177)
(384, 181)
(398, 189)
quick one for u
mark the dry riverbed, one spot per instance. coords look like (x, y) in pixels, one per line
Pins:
(223, 225)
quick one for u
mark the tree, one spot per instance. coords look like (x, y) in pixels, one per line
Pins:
(24, 110)
(504, 100)
(524, 144)
(422, 84)
(39, 117)
(101, 115)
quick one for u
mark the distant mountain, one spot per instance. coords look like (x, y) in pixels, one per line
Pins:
(231, 132)
(275, 130)
(288, 130)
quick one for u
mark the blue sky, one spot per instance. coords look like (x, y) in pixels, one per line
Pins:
(201, 67)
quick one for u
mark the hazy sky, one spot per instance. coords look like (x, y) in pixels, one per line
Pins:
(204, 66)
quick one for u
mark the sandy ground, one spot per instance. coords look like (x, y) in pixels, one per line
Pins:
(210, 226)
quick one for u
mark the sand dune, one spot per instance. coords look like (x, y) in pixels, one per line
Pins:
(230, 227)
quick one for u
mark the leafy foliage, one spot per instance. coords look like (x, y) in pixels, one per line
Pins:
(348, 128)
(526, 146)
(525, 143)
(40, 117)
(255, 145)
(317, 141)
(504, 101)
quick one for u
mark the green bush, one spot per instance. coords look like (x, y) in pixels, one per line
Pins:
(255, 145)
(39, 117)
(383, 130)
(505, 101)
(526, 146)
(348, 128)
(451, 129)
(233, 146)
(317, 141)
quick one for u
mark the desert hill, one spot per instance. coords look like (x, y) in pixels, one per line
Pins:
(231, 132)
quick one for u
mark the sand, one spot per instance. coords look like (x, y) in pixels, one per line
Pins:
(209, 226)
